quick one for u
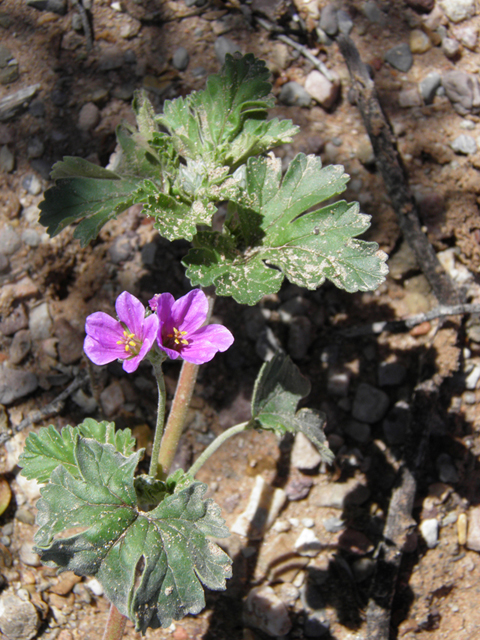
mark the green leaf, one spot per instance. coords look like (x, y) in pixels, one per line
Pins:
(270, 236)
(278, 389)
(152, 564)
(224, 124)
(48, 449)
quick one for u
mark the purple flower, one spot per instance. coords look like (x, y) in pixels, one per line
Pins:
(181, 332)
(129, 338)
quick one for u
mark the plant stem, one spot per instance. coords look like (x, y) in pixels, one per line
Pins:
(156, 361)
(115, 625)
(219, 440)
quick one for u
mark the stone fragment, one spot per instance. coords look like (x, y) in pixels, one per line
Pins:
(429, 530)
(7, 160)
(28, 556)
(329, 20)
(345, 23)
(450, 47)
(110, 58)
(372, 12)
(355, 542)
(364, 151)
(19, 619)
(180, 58)
(338, 381)
(32, 184)
(14, 102)
(316, 625)
(340, 494)
(15, 384)
(321, 89)
(224, 45)
(463, 91)
(70, 341)
(40, 323)
(15, 321)
(363, 569)
(333, 524)
(65, 584)
(458, 10)
(307, 543)
(408, 98)
(20, 346)
(400, 57)
(359, 431)
(31, 238)
(391, 374)
(89, 117)
(293, 94)
(95, 587)
(370, 404)
(422, 6)
(298, 488)
(305, 455)
(129, 27)
(429, 85)
(55, 6)
(396, 423)
(265, 611)
(112, 399)
(419, 41)
(263, 507)
(467, 35)
(464, 145)
(10, 241)
(473, 534)
(447, 471)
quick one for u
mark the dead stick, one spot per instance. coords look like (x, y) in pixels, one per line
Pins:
(390, 165)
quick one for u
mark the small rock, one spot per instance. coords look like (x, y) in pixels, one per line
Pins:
(422, 6)
(32, 184)
(447, 471)
(31, 238)
(65, 584)
(20, 346)
(372, 12)
(40, 323)
(120, 250)
(298, 488)
(86, 403)
(112, 399)
(265, 611)
(355, 542)
(28, 556)
(82, 594)
(316, 625)
(400, 57)
(468, 125)
(468, 35)
(338, 381)
(464, 144)
(333, 524)
(305, 456)
(110, 58)
(473, 535)
(419, 41)
(35, 148)
(463, 91)
(15, 384)
(364, 151)
(321, 89)
(396, 423)
(293, 94)
(95, 587)
(329, 20)
(89, 117)
(15, 321)
(345, 23)
(458, 10)
(7, 160)
(340, 494)
(224, 45)
(363, 569)
(55, 6)
(10, 241)
(4, 264)
(370, 404)
(450, 47)
(307, 543)
(37, 109)
(70, 341)
(408, 98)
(429, 530)
(180, 58)
(359, 431)
(429, 85)
(24, 514)
(391, 374)
(129, 27)
(19, 619)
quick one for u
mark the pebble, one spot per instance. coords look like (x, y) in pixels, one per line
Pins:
(298, 488)
(321, 89)
(396, 423)
(329, 19)
(423, 6)
(408, 98)
(86, 403)
(305, 455)
(400, 57)
(35, 148)
(307, 544)
(419, 41)
(20, 347)
(180, 58)
(31, 238)
(55, 6)
(316, 625)
(429, 85)
(32, 184)
(70, 341)
(345, 23)
(24, 514)
(468, 36)
(468, 125)
(338, 381)
(95, 587)
(372, 12)
(463, 91)
(28, 556)
(15, 384)
(391, 374)
(224, 45)
(8, 66)
(450, 47)
(300, 338)
(40, 323)
(10, 241)
(464, 144)
(89, 117)
(293, 94)
(363, 569)
(19, 619)
(340, 494)
(333, 524)
(364, 151)
(82, 594)
(462, 526)
(458, 10)
(110, 58)
(7, 160)
(112, 399)
(429, 530)
(370, 404)
(355, 542)
(359, 431)
(265, 611)
(447, 471)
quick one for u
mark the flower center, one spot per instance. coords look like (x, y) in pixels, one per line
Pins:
(131, 343)
(176, 339)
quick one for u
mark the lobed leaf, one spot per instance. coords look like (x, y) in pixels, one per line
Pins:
(48, 449)
(278, 389)
(270, 236)
(151, 564)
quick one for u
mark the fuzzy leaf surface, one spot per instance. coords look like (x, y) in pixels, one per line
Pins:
(46, 450)
(278, 389)
(269, 235)
(152, 564)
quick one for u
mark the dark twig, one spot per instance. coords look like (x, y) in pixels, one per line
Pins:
(394, 326)
(87, 29)
(49, 410)
(390, 165)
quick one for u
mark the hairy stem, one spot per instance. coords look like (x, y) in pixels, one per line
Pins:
(219, 440)
(115, 625)
(156, 361)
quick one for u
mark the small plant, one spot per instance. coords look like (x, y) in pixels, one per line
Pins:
(145, 537)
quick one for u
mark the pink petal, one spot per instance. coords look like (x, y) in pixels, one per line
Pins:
(103, 328)
(190, 311)
(132, 312)
(102, 353)
(165, 302)
(206, 342)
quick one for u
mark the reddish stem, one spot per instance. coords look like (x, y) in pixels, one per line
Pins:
(115, 625)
